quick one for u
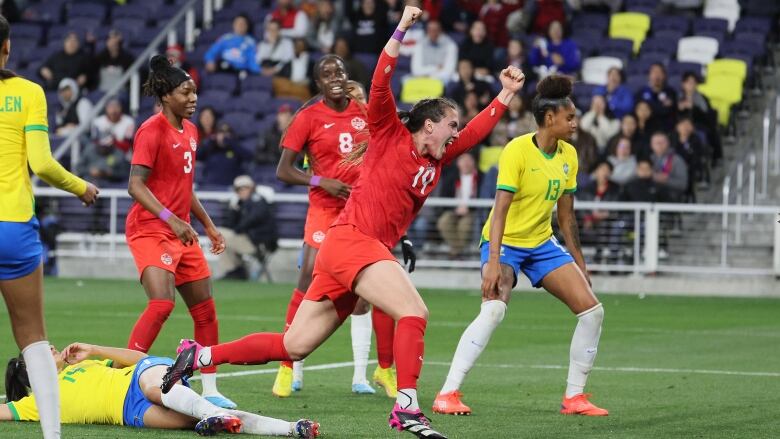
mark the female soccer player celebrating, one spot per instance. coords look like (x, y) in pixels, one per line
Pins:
(24, 140)
(400, 169)
(535, 172)
(123, 388)
(163, 243)
(328, 130)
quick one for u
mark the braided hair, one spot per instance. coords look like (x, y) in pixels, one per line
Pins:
(163, 77)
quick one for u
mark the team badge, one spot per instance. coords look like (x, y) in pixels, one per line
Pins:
(193, 144)
(166, 259)
(566, 168)
(358, 123)
(318, 236)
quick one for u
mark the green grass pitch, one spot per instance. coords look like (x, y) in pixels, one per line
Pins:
(667, 366)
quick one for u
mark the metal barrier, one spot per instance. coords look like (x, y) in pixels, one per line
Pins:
(638, 238)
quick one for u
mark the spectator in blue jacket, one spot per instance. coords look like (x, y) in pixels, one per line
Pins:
(235, 51)
(555, 54)
(620, 100)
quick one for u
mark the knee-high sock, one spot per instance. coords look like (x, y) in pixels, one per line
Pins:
(409, 350)
(384, 329)
(292, 308)
(186, 401)
(258, 348)
(263, 425)
(149, 324)
(584, 345)
(361, 345)
(473, 342)
(43, 379)
(204, 317)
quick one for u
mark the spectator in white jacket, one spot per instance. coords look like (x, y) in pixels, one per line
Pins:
(596, 122)
(436, 55)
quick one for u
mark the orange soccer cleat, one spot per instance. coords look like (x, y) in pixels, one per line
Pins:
(579, 405)
(450, 404)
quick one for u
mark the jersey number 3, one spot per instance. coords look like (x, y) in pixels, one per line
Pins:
(425, 177)
(188, 158)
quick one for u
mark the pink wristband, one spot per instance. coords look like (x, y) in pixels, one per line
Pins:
(165, 214)
(315, 180)
(399, 35)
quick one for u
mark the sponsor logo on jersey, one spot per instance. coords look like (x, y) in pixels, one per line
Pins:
(193, 144)
(166, 259)
(318, 236)
(358, 123)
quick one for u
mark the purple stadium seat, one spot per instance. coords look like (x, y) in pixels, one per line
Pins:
(244, 125)
(25, 50)
(278, 102)
(741, 48)
(636, 82)
(29, 31)
(219, 99)
(47, 12)
(130, 28)
(676, 68)
(368, 60)
(640, 66)
(669, 34)
(670, 22)
(659, 45)
(654, 57)
(593, 22)
(635, 5)
(257, 83)
(219, 81)
(93, 10)
(757, 38)
(589, 44)
(761, 8)
(617, 47)
(85, 24)
(712, 25)
(135, 11)
(582, 94)
(264, 174)
(751, 24)
(253, 102)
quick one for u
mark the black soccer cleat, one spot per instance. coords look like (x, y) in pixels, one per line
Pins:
(181, 368)
(413, 421)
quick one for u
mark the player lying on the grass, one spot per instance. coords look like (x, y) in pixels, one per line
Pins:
(123, 388)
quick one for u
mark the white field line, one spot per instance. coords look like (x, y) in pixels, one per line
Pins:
(344, 364)
(463, 324)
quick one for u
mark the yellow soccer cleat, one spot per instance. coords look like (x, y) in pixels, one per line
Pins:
(385, 378)
(283, 383)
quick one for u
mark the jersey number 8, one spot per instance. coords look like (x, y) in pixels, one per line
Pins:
(345, 143)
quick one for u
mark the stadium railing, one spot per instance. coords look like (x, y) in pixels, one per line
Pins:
(639, 238)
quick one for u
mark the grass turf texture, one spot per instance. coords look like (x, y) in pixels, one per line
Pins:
(516, 388)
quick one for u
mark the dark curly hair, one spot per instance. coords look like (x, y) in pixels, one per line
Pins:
(163, 77)
(553, 92)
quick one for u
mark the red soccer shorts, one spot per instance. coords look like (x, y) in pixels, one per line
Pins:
(318, 220)
(187, 263)
(346, 252)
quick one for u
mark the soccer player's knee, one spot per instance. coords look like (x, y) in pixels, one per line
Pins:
(494, 311)
(594, 315)
(297, 351)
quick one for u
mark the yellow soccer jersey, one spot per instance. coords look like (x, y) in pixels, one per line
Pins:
(537, 181)
(24, 139)
(91, 392)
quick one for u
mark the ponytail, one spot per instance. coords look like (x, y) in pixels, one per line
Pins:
(163, 77)
(17, 383)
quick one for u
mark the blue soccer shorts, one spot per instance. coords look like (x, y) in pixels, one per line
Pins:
(20, 248)
(535, 263)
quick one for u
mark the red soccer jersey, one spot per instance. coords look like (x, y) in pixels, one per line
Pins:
(171, 156)
(395, 181)
(328, 136)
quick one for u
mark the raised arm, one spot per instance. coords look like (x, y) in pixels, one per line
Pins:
(512, 80)
(381, 104)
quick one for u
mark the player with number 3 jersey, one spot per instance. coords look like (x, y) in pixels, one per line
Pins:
(400, 169)
(163, 243)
